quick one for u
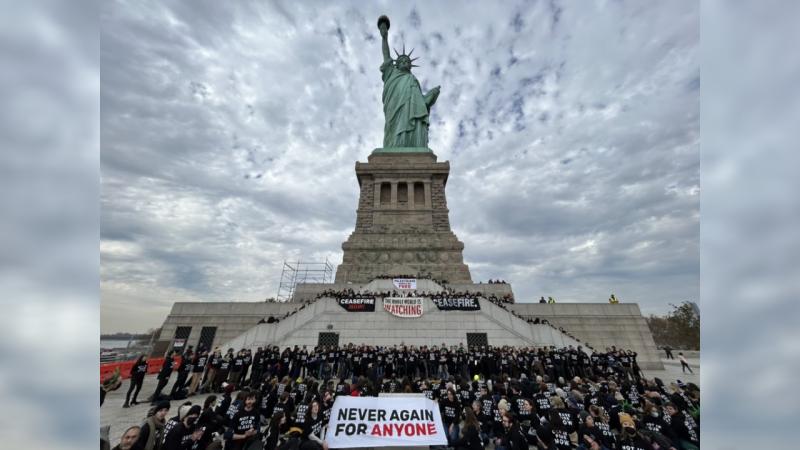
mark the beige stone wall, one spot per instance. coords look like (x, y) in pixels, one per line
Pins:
(230, 318)
(601, 325)
(408, 231)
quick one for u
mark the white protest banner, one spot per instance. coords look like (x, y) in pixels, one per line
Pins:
(405, 283)
(384, 422)
(403, 306)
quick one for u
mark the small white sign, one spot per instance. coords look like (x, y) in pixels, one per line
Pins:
(405, 283)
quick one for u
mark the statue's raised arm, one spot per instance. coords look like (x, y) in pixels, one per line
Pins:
(383, 26)
(405, 109)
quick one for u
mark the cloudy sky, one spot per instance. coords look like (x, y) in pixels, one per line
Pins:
(229, 133)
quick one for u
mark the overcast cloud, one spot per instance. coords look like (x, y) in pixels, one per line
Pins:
(229, 133)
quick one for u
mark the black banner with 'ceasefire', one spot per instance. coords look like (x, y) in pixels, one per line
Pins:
(457, 303)
(358, 304)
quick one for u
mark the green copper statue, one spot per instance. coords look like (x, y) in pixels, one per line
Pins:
(406, 110)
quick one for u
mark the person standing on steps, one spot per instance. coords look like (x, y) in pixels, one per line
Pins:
(184, 369)
(237, 364)
(138, 371)
(163, 376)
(198, 366)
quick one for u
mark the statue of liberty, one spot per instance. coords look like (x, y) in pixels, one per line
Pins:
(405, 108)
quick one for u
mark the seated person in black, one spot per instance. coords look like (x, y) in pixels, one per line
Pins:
(182, 434)
(210, 422)
(588, 428)
(554, 427)
(629, 439)
(512, 438)
(244, 426)
(470, 438)
(272, 435)
(450, 407)
(313, 429)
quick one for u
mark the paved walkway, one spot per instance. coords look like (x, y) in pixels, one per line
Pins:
(672, 371)
(112, 413)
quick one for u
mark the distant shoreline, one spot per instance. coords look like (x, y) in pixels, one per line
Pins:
(123, 336)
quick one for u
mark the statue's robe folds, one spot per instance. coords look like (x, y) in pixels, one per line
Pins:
(404, 108)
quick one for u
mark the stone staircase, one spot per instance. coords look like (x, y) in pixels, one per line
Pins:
(531, 334)
(301, 327)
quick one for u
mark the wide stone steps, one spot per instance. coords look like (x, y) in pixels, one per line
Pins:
(300, 328)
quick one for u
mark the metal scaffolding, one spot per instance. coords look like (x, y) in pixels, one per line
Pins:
(302, 272)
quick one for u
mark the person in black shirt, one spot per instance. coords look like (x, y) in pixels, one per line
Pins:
(450, 406)
(163, 377)
(198, 366)
(545, 438)
(565, 419)
(637, 371)
(477, 410)
(184, 368)
(590, 443)
(313, 425)
(277, 425)
(213, 366)
(587, 429)
(225, 403)
(542, 400)
(327, 405)
(682, 428)
(487, 407)
(138, 371)
(528, 421)
(184, 433)
(285, 405)
(237, 364)
(244, 426)
(629, 439)
(224, 370)
(627, 365)
(259, 361)
(247, 360)
(512, 438)
(210, 422)
(556, 428)
(470, 435)
(173, 422)
(654, 423)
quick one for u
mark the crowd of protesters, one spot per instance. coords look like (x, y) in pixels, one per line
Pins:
(447, 292)
(350, 293)
(511, 398)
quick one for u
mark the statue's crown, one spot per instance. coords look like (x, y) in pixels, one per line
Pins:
(408, 56)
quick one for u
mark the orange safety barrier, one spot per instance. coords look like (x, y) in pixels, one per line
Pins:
(153, 366)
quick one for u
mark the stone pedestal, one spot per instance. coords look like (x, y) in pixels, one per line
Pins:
(402, 222)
